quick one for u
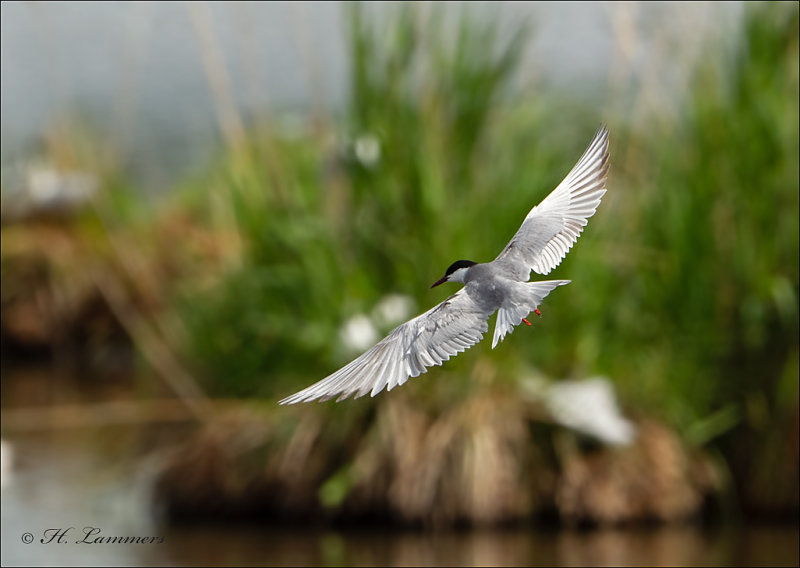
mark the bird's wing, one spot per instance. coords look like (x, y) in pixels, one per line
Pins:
(453, 326)
(553, 226)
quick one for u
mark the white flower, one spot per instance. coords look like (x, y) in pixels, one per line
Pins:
(589, 407)
(392, 310)
(358, 333)
(368, 150)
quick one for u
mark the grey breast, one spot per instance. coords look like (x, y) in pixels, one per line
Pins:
(485, 288)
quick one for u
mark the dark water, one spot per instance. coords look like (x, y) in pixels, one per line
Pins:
(88, 483)
(100, 479)
(519, 547)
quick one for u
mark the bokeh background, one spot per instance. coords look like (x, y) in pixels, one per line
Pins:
(208, 206)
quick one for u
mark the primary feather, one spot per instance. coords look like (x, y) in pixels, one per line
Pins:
(456, 324)
(552, 227)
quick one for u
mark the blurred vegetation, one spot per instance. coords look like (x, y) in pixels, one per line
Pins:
(703, 263)
(685, 285)
(690, 268)
(343, 219)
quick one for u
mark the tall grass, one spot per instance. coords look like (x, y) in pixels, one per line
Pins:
(705, 279)
(685, 283)
(381, 209)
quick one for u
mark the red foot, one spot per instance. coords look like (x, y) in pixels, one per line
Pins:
(537, 312)
(526, 321)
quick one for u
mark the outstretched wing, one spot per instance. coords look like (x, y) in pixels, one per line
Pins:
(553, 226)
(453, 326)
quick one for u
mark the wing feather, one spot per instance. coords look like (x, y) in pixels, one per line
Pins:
(552, 227)
(453, 326)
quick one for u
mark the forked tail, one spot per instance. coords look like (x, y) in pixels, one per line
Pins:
(525, 298)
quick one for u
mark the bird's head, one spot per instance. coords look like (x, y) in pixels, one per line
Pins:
(456, 272)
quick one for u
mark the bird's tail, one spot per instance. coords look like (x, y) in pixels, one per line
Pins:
(525, 298)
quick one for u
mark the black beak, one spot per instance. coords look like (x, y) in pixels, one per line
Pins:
(441, 280)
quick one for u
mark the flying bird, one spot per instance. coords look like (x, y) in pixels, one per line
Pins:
(546, 235)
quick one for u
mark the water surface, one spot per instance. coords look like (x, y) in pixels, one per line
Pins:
(73, 471)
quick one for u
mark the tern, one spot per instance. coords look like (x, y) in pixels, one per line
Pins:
(546, 235)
